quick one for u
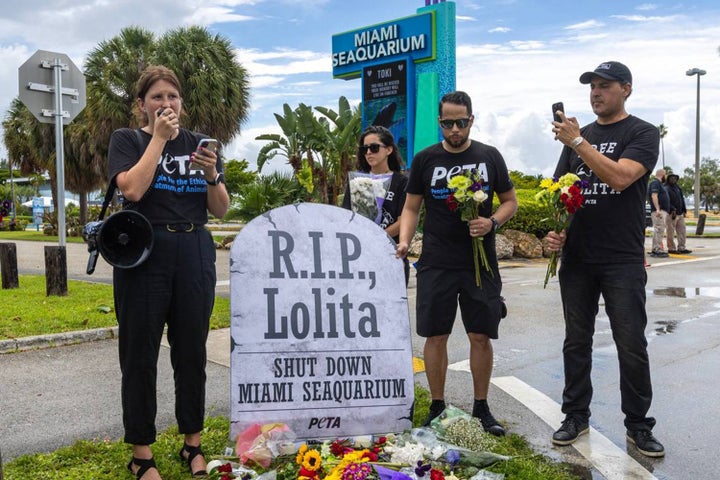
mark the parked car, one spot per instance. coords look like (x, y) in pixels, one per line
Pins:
(648, 215)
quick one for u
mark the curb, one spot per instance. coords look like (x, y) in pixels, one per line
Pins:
(38, 342)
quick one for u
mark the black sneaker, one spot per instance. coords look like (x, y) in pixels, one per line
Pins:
(646, 443)
(481, 411)
(659, 254)
(670, 250)
(436, 408)
(685, 251)
(569, 431)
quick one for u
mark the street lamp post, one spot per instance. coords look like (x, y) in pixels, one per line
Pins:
(699, 72)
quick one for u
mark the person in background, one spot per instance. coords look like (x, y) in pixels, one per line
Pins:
(446, 273)
(660, 205)
(675, 220)
(603, 251)
(378, 154)
(175, 286)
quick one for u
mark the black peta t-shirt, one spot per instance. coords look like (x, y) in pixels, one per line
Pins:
(446, 239)
(179, 192)
(610, 228)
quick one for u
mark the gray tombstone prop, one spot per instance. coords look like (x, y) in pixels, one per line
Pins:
(320, 333)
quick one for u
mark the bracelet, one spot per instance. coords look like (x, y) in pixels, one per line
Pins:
(576, 142)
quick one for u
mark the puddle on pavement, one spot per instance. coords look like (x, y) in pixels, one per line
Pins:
(684, 292)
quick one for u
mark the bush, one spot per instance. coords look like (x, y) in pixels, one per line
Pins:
(529, 215)
(8, 225)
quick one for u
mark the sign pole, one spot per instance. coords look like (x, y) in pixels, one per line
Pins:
(59, 153)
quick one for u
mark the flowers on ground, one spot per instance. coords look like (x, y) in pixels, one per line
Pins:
(561, 198)
(419, 454)
(467, 196)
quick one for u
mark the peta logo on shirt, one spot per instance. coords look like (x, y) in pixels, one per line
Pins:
(443, 173)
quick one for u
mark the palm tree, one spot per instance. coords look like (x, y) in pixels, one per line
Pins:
(215, 85)
(111, 71)
(663, 131)
(30, 144)
(84, 165)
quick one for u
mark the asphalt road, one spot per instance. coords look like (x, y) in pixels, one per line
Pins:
(53, 397)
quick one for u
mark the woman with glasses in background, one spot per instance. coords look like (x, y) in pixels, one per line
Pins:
(378, 154)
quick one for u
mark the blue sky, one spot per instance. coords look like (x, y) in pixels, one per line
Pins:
(514, 57)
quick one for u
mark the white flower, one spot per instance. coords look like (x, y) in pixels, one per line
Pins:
(480, 196)
(408, 454)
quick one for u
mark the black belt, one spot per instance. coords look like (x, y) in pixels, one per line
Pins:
(180, 227)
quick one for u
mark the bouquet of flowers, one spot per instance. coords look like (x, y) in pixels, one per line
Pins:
(367, 193)
(561, 198)
(467, 196)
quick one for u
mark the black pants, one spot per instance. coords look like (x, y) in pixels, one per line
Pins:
(174, 287)
(623, 289)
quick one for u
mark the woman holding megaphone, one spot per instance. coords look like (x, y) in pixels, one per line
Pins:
(172, 178)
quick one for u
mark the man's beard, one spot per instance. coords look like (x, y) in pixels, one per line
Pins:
(456, 142)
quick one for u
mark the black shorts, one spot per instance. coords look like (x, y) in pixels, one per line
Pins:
(440, 290)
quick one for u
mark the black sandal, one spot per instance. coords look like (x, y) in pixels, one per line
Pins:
(143, 464)
(192, 452)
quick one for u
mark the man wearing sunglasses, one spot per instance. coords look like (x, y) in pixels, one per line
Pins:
(446, 269)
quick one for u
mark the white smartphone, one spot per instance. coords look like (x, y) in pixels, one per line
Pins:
(209, 143)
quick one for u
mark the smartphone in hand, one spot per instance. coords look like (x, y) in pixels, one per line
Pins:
(557, 106)
(209, 143)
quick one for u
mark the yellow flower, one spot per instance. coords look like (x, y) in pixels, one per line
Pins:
(312, 461)
(546, 183)
(459, 182)
(568, 179)
(301, 454)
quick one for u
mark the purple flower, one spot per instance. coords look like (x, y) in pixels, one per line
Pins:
(421, 468)
(452, 457)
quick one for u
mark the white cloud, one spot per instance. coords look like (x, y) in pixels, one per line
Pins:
(585, 25)
(500, 30)
(643, 18)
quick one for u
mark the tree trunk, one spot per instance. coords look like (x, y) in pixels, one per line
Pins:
(55, 271)
(83, 208)
(8, 266)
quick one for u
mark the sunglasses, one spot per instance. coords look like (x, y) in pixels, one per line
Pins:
(373, 147)
(460, 122)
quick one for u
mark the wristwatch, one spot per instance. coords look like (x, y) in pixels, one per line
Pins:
(495, 223)
(218, 178)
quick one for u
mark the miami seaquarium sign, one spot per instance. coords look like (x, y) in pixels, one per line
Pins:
(412, 37)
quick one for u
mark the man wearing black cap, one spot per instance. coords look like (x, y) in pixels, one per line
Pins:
(603, 252)
(675, 221)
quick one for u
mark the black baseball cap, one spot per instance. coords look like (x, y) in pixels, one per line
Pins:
(609, 71)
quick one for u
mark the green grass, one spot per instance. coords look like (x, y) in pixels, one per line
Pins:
(28, 311)
(105, 459)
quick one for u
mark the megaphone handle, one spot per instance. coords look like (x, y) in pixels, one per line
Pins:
(92, 261)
